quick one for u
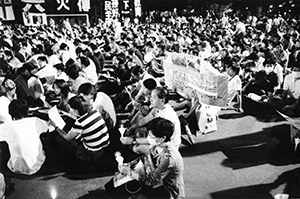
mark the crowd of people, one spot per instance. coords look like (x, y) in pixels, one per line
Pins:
(93, 73)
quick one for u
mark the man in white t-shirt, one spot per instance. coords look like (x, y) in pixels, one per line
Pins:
(23, 138)
(234, 86)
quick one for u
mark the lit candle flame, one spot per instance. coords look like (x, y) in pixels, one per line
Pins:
(53, 193)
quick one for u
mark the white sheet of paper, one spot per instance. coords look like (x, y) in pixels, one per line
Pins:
(295, 121)
(56, 118)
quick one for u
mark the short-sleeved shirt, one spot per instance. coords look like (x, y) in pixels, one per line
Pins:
(93, 131)
(293, 85)
(234, 85)
(25, 146)
(168, 113)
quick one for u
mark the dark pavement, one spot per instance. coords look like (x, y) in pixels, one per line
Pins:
(249, 156)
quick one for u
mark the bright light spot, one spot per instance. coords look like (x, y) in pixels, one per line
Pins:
(280, 6)
(289, 10)
(246, 8)
(53, 193)
(293, 5)
(271, 6)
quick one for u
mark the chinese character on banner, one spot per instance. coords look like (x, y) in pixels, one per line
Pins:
(6, 10)
(36, 3)
(84, 5)
(138, 8)
(108, 10)
(126, 7)
(115, 8)
(63, 4)
(115, 4)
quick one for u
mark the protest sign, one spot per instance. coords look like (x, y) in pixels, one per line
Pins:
(188, 75)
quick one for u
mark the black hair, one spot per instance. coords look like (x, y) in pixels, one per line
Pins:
(42, 58)
(136, 70)
(76, 103)
(84, 60)
(8, 53)
(63, 86)
(63, 46)
(235, 69)
(59, 66)
(121, 58)
(150, 83)
(270, 59)
(162, 93)
(161, 127)
(18, 108)
(87, 89)
(72, 70)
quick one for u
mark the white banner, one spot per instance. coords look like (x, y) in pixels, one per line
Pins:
(189, 76)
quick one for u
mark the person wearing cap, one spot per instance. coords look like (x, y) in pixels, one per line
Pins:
(10, 93)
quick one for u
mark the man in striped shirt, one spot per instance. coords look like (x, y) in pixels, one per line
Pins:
(88, 137)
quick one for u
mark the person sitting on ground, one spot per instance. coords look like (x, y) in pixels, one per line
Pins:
(21, 78)
(141, 106)
(160, 108)
(140, 75)
(60, 72)
(104, 106)
(88, 138)
(73, 71)
(88, 69)
(234, 87)
(10, 94)
(164, 179)
(288, 102)
(23, 138)
(62, 90)
(264, 82)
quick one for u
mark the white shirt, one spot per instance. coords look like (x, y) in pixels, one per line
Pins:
(4, 103)
(105, 101)
(278, 69)
(25, 147)
(91, 72)
(46, 71)
(234, 85)
(169, 114)
(292, 85)
(240, 27)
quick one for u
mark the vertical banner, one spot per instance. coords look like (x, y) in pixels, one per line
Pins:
(126, 8)
(111, 9)
(190, 77)
(6, 10)
(137, 8)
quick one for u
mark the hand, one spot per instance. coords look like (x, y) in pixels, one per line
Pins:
(126, 140)
(129, 132)
(125, 169)
(52, 123)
